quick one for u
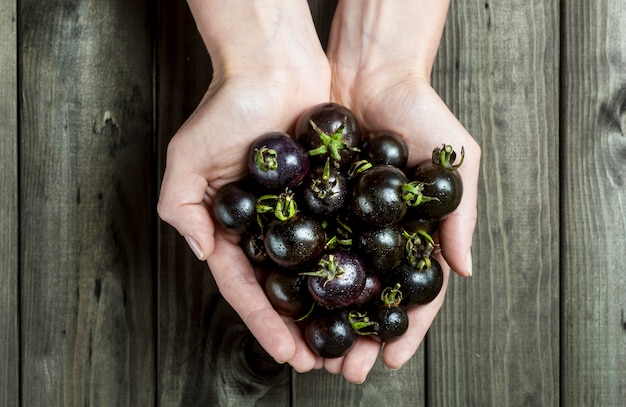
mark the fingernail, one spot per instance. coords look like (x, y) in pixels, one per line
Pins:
(468, 262)
(195, 247)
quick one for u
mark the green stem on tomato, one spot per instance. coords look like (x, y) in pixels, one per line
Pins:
(266, 159)
(361, 323)
(444, 157)
(413, 193)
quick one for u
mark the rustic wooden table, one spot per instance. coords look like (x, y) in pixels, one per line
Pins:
(103, 304)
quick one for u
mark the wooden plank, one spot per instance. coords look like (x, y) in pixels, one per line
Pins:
(86, 203)
(594, 203)
(9, 214)
(322, 12)
(200, 338)
(495, 342)
(383, 387)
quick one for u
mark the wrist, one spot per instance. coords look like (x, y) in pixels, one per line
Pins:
(382, 36)
(245, 36)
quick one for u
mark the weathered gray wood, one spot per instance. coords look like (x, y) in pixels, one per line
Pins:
(78, 255)
(383, 387)
(9, 215)
(200, 338)
(322, 12)
(495, 342)
(593, 339)
(86, 199)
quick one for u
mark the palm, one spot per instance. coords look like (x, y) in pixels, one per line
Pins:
(410, 107)
(209, 151)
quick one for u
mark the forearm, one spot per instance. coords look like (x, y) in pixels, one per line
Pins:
(378, 34)
(241, 34)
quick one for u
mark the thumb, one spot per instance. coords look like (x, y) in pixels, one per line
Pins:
(182, 204)
(456, 231)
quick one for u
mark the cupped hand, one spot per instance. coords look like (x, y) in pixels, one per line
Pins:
(405, 103)
(210, 150)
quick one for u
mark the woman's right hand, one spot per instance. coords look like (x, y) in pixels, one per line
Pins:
(260, 85)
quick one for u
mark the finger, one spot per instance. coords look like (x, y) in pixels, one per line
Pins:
(304, 359)
(396, 354)
(456, 231)
(238, 285)
(360, 360)
(182, 202)
(334, 365)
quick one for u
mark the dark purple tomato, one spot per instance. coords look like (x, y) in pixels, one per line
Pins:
(377, 196)
(384, 147)
(294, 242)
(382, 248)
(277, 161)
(440, 184)
(414, 224)
(329, 130)
(234, 207)
(253, 247)
(392, 320)
(288, 293)
(330, 335)
(418, 286)
(338, 280)
(371, 291)
(325, 190)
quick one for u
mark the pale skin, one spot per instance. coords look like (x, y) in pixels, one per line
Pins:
(268, 68)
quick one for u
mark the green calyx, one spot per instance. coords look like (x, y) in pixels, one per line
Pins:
(419, 248)
(335, 242)
(328, 268)
(283, 206)
(266, 159)
(323, 187)
(331, 144)
(339, 234)
(413, 193)
(446, 156)
(361, 323)
(359, 167)
(391, 296)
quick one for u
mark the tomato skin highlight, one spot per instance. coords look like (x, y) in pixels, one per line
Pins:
(377, 196)
(288, 293)
(442, 185)
(234, 207)
(384, 148)
(295, 242)
(393, 322)
(330, 335)
(418, 286)
(276, 161)
(341, 279)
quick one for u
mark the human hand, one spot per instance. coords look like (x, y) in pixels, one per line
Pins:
(381, 55)
(263, 84)
(413, 109)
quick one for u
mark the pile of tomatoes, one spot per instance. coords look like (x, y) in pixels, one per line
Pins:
(340, 227)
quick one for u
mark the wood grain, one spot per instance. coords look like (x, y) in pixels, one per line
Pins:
(87, 310)
(593, 339)
(102, 304)
(496, 340)
(9, 212)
